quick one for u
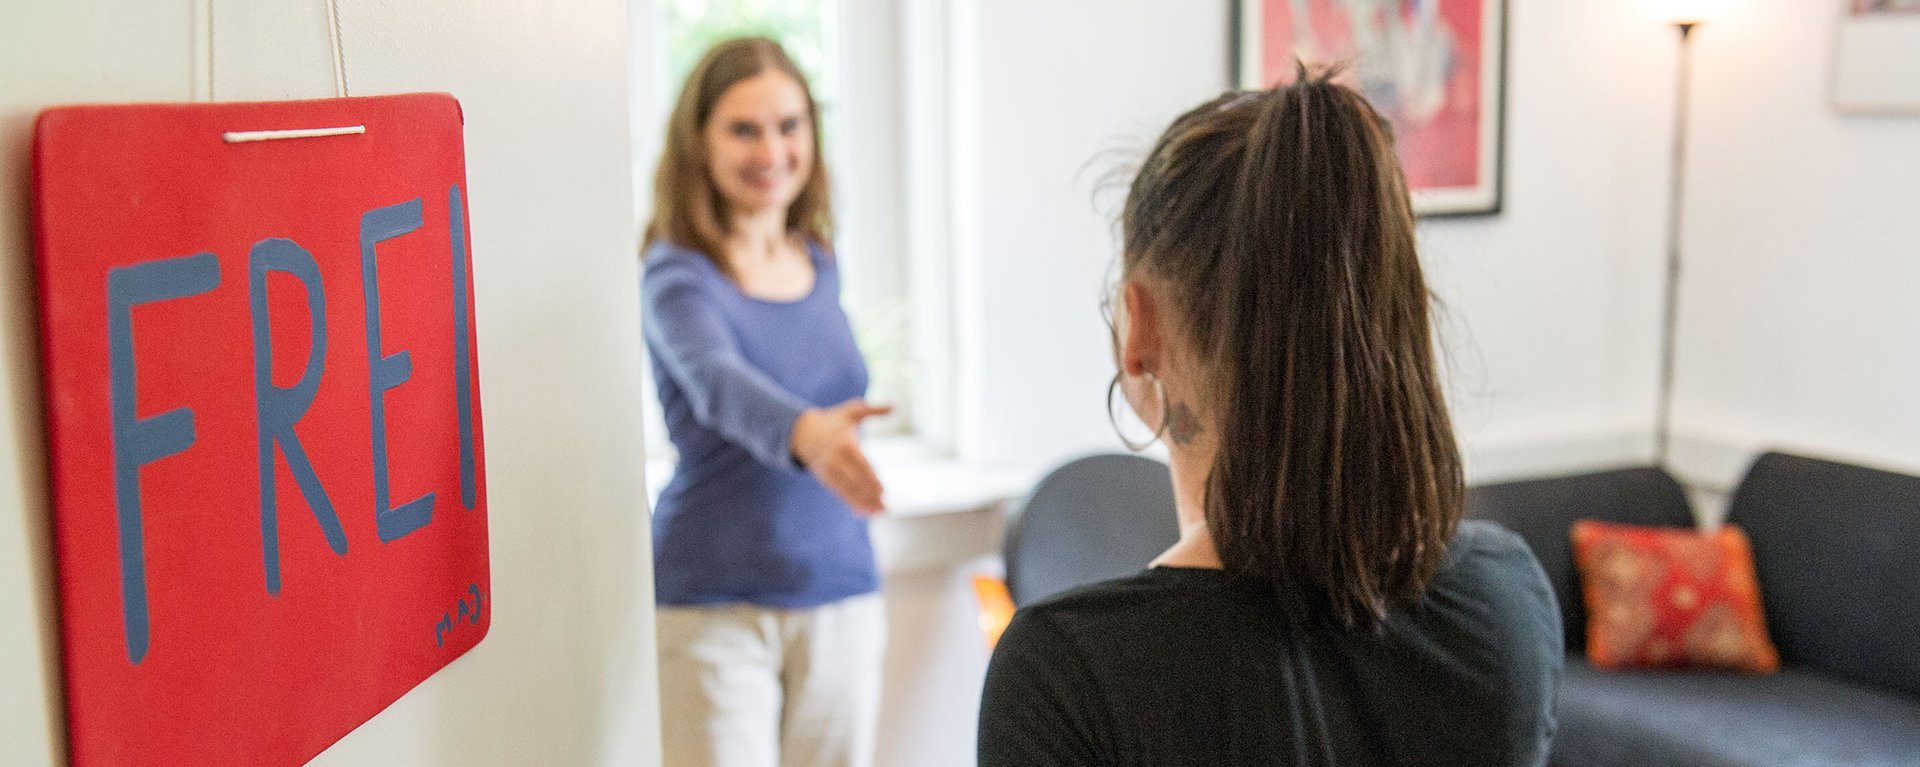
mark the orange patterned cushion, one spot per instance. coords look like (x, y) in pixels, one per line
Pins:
(1666, 597)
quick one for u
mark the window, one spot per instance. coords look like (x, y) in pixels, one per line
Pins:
(854, 57)
(689, 27)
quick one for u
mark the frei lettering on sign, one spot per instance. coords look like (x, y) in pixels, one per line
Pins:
(262, 403)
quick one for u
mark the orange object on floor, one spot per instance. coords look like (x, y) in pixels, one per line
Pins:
(996, 607)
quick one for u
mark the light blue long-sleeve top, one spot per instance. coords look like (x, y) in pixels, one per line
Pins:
(741, 521)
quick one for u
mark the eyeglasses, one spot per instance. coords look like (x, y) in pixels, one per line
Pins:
(1106, 315)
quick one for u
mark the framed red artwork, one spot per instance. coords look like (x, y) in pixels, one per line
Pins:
(264, 435)
(1434, 68)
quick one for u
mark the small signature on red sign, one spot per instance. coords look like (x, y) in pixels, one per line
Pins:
(467, 611)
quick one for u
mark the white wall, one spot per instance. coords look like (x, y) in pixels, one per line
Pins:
(566, 675)
(1059, 88)
(1799, 324)
(1553, 305)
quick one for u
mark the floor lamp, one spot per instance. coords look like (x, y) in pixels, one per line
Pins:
(1684, 15)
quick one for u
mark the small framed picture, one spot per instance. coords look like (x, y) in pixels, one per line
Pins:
(1435, 68)
(1877, 57)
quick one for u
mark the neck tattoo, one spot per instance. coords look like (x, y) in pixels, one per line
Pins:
(1183, 426)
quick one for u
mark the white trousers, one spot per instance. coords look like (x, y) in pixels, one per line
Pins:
(748, 686)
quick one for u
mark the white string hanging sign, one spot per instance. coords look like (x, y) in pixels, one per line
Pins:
(339, 83)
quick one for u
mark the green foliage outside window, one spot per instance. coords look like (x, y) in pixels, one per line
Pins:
(693, 26)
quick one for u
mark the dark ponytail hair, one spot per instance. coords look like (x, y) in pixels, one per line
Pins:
(1279, 220)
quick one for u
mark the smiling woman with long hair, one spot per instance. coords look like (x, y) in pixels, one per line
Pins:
(1324, 604)
(770, 631)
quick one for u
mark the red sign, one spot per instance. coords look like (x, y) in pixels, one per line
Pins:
(263, 415)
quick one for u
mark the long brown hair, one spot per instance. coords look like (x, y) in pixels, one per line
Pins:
(1280, 221)
(687, 209)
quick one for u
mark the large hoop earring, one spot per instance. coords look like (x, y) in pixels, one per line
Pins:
(1114, 420)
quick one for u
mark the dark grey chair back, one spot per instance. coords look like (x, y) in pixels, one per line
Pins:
(1834, 546)
(1093, 519)
(1543, 511)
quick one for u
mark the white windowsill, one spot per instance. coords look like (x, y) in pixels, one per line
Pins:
(920, 480)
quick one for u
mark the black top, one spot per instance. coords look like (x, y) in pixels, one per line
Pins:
(1180, 666)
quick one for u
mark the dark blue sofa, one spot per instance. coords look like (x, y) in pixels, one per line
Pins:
(1837, 550)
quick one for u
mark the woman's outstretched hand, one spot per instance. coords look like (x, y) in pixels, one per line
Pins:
(827, 442)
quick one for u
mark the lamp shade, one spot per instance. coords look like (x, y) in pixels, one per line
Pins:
(1687, 11)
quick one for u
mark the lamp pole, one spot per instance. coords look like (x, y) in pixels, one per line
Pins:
(1676, 200)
